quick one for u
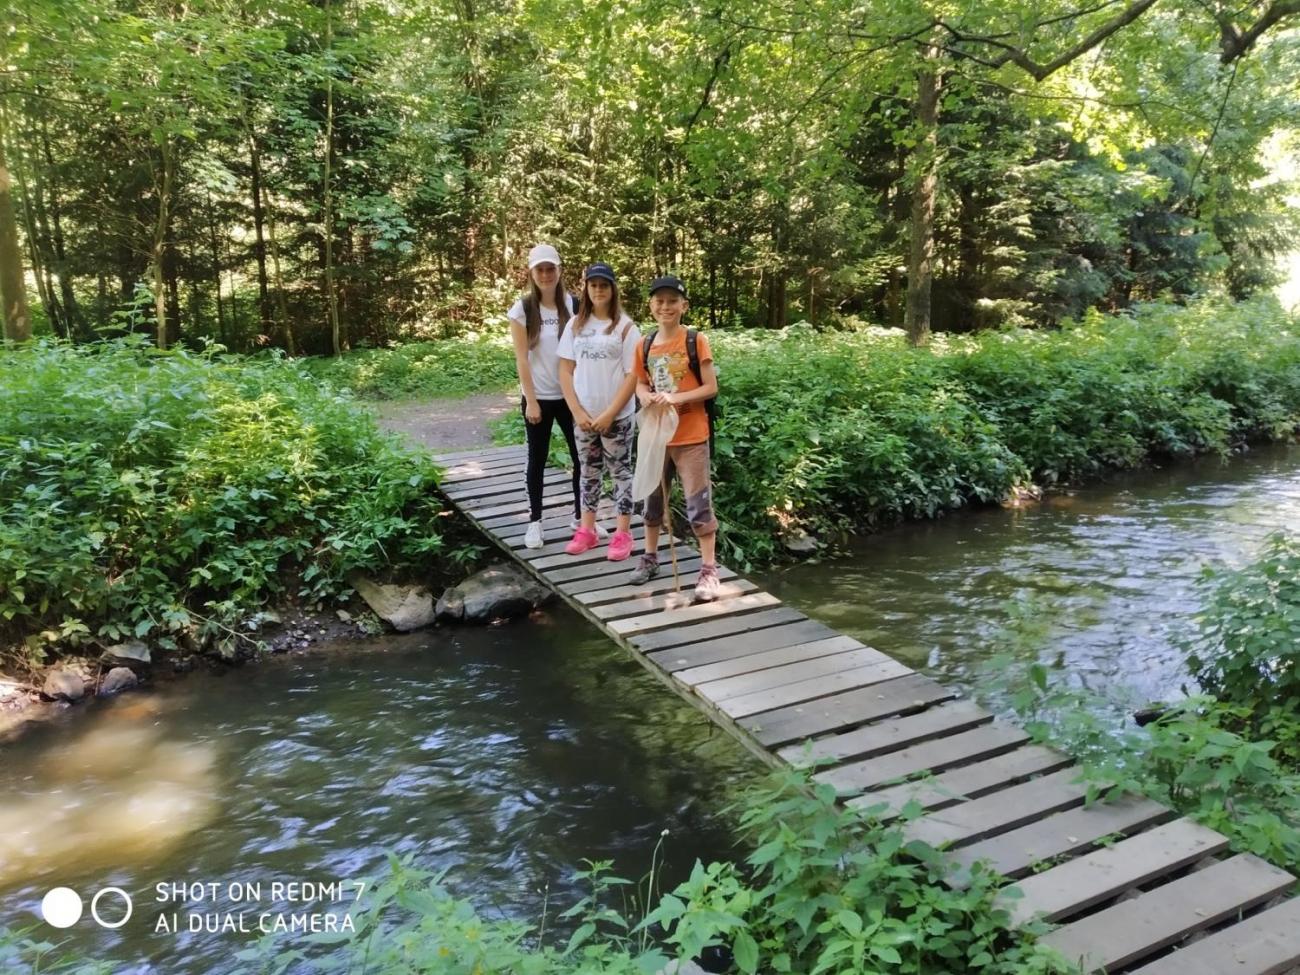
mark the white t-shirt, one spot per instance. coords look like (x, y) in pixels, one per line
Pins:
(543, 361)
(602, 362)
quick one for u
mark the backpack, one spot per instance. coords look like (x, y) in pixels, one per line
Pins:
(693, 360)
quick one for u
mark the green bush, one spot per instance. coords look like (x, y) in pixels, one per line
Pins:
(450, 367)
(156, 495)
(1246, 651)
(830, 433)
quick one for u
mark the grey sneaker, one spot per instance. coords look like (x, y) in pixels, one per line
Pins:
(646, 569)
(707, 586)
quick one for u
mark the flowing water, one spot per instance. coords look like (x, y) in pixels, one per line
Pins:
(509, 754)
(1108, 572)
(506, 755)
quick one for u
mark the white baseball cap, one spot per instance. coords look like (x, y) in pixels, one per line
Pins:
(543, 254)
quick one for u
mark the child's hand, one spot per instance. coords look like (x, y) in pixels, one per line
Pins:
(583, 419)
(533, 411)
(602, 423)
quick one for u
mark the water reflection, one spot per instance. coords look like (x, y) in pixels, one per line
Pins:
(118, 794)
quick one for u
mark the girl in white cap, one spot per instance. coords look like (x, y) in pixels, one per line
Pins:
(537, 320)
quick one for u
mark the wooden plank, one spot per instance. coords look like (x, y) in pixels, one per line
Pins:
(1073, 831)
(810, 690)
(883, 737)
(518, 495)
(1078, 884)
(1265, 944)
(519, 507)
(1134, 929)
(930, 756)
(902, 695)
(480, 454)
(668, 600)
(482, 464)
(602, 568)
(754, 662)
(543, 562)
(999, 811)
(741, 685)
(484, 486)
(559, 527)
(967, 782)
(475, 470)
(739, 623)
(733, 647)
(521, 516)
(798, 670)
(617, 594)
(556, 524)
(555, 545)
(694, 614)
(686, 567)
(469, 473)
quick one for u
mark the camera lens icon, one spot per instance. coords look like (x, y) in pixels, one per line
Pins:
(62, 907)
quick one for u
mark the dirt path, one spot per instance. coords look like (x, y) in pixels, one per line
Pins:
(446, 424)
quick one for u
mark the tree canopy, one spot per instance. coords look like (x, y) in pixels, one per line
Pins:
(318, 174)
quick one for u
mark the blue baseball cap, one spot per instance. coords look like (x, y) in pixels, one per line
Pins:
(601, 270)
(670, 282)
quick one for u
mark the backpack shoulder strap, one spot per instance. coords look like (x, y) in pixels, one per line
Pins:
(693, 353)
(648, 341)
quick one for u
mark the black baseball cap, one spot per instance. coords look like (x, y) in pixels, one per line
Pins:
(670, 282)
(601, 270)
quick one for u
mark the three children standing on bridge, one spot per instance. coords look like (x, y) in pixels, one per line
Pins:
(600, 360)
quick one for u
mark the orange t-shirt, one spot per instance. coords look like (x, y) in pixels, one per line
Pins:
(670, 372)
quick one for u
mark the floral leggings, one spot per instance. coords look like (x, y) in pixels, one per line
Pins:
(610, 451)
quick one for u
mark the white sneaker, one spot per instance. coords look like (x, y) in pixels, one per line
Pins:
(533, 538)
(601, 531)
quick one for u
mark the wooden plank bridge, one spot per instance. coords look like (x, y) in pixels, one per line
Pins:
(1134, 887)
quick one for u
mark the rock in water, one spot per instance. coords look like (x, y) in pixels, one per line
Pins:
(118, 679)
(498, 592)
(131, 652)
(406, 608)
(63, 685)
(451, 605)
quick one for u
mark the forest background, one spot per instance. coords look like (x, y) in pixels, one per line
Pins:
(329, 174)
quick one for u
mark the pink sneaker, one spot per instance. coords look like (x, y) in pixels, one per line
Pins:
(583, 539)
(620, 546)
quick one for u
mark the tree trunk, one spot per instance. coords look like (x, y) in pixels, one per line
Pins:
(328, 230)
(259, 238)
(286, 327)
(158, 252)
(171, 272)
(925, 160)
(40, 271)
(216, 272)
(13, 287)
(72, 314)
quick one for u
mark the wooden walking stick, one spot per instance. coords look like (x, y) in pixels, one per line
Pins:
(668, 524)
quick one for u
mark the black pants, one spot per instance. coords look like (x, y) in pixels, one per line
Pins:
(539, 445)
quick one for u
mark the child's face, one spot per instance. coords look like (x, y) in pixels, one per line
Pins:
(667, 306)
(545, 275)
(600, 292)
